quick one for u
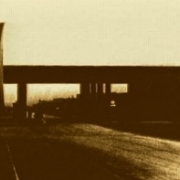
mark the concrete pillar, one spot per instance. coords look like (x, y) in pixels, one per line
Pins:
(108, 88)
(22, 93)
(107, 93)
(21, 102)
(93, 90)
(84, 90)
(1, 71)
(99, 90)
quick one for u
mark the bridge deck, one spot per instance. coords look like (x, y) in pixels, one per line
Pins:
(80, 74)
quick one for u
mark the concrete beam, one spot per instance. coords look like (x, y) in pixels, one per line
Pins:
(93, 88)
(108, 88)
(87, 74)
(85, 90)
(99, 91)
(100, 88)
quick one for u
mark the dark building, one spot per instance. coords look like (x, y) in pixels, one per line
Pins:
(1, 70)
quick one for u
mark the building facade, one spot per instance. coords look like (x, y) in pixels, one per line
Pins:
(1, 70)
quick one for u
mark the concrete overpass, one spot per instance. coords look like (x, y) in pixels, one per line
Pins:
(86, 74)
(159, 87)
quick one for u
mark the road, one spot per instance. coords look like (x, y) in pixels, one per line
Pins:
(42, 159)
(6, 170)
(84, 151)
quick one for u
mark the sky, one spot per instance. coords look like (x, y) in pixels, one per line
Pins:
(35, 92)
(96, 32)
(49, 92)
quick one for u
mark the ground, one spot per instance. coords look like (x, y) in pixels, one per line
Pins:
(84, 151)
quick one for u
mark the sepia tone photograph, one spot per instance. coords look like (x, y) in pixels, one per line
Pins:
(90, 90)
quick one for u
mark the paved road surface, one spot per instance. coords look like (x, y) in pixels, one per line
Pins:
(81, 151)
(6, 170)
(37, 159)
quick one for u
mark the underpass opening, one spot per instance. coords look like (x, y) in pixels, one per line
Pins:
(52, 100)
(50, 92)
(119, 94)
(65, 100)
(119, 101)
(119, 88)
(10, 97)
(10, 94)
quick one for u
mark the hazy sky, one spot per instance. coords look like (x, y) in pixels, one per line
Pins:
(36, 92)
(91, 32)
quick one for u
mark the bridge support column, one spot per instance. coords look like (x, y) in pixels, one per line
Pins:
(20, 110)
(108, 89)
(93, 90)
(99, 90)
(85, 90)
(107, 93)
